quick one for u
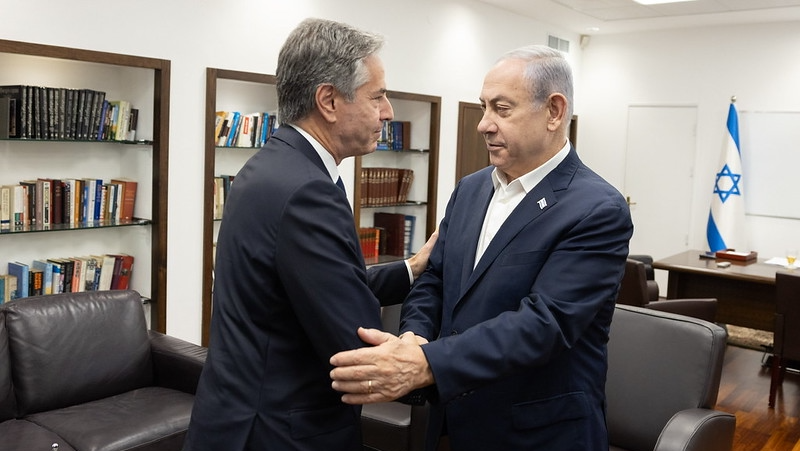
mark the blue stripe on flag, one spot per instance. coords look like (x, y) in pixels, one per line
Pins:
(726, 219)
(733, 127)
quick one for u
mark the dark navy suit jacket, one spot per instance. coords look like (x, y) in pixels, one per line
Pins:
(520, 359)
(291, 290)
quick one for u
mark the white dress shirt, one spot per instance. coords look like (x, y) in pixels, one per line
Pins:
(507, 197)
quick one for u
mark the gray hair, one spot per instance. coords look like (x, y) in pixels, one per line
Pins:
(547, 72)
(321, 52)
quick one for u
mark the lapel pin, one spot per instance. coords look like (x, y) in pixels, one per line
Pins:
(542, 203)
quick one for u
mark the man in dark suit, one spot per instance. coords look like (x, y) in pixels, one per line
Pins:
(291, 286)
(519, 294)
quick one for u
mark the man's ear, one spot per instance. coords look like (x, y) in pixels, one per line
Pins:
(557, 109)
(326, 98)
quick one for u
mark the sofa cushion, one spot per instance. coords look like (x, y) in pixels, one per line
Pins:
(8, 404)
(150, 418)
(21, 435)
(73, 348)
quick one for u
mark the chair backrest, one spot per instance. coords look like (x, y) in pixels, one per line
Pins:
(72, 348)
(659, 363)
(633, 287)
(787, 315)
(648, 264)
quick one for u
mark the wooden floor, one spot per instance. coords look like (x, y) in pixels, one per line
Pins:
(744, 392)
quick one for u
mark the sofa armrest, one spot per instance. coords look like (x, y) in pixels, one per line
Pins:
(176, 363)
(698, 429)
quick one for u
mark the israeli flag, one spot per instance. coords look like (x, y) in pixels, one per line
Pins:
(726, 222)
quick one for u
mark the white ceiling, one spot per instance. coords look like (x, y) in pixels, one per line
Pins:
(622, 16)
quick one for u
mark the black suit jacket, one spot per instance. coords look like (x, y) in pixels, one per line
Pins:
(291, 290)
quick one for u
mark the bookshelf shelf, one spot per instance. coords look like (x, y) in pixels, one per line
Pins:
(226, 90)
(75, 226)
(145, 82)
(405, 204)
(81, 141)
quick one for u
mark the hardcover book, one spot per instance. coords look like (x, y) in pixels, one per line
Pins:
(47, 270)
(9, 288)
(13, 113)
(128, 197)
(21, 272)
(122, 278)
(394, 224)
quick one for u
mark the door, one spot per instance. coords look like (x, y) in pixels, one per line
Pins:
(659, 168)
(471, 153)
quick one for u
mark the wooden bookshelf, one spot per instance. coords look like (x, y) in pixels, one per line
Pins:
(147, 82)
(236, 89)
(421, 155)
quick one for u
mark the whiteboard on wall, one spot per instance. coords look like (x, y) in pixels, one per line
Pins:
(770, 147)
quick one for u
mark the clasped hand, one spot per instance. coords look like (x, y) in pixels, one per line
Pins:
(390, 368)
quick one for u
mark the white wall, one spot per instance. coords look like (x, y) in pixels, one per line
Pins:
(434, 47)
(759, 64)
(440, 48)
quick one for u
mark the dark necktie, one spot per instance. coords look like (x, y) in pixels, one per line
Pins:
(340, 184)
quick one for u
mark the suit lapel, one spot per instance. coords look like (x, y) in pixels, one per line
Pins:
(472, 229)
(535, 204)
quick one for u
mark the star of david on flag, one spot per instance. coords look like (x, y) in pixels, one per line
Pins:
(726, 221)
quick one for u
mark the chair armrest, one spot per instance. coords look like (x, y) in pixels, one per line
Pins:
(698, 429)
(176, 363)
(652, 291)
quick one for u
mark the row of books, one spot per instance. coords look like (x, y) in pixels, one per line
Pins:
(39, 112)
(43, 202)
(382, 186)
(370, 239)
(395, 135)
(66, 275)
(222, 184)
(396, 232)
(235, 129)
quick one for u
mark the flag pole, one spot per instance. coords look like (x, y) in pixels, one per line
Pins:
(733, 99)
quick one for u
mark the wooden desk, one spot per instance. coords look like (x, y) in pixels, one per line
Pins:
(745, 292)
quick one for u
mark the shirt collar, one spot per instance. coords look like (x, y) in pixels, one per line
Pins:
(327, 158)
(532, 178)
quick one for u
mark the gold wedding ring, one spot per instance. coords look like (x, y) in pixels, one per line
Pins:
(369, 386)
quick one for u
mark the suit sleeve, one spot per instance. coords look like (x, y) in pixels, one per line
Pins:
(390, 282)
(322, 270)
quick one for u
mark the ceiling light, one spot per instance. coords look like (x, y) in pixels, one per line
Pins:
(658, 2)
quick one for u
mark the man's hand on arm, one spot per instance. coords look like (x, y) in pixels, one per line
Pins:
(391, 368)
(419, 261)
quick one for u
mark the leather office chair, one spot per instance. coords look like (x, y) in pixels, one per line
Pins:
(393, 426)
(641, 290)
(648, 264)
(663, 377)
(636, 288)
(786, 341)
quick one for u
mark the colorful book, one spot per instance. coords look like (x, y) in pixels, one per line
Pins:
(121, 280)
(394, 224)
(47, 269)
(21, 272)
(8, 288)
(128, 196)
(35, 282)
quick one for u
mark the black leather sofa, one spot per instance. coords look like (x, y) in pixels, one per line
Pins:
(82, 370)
